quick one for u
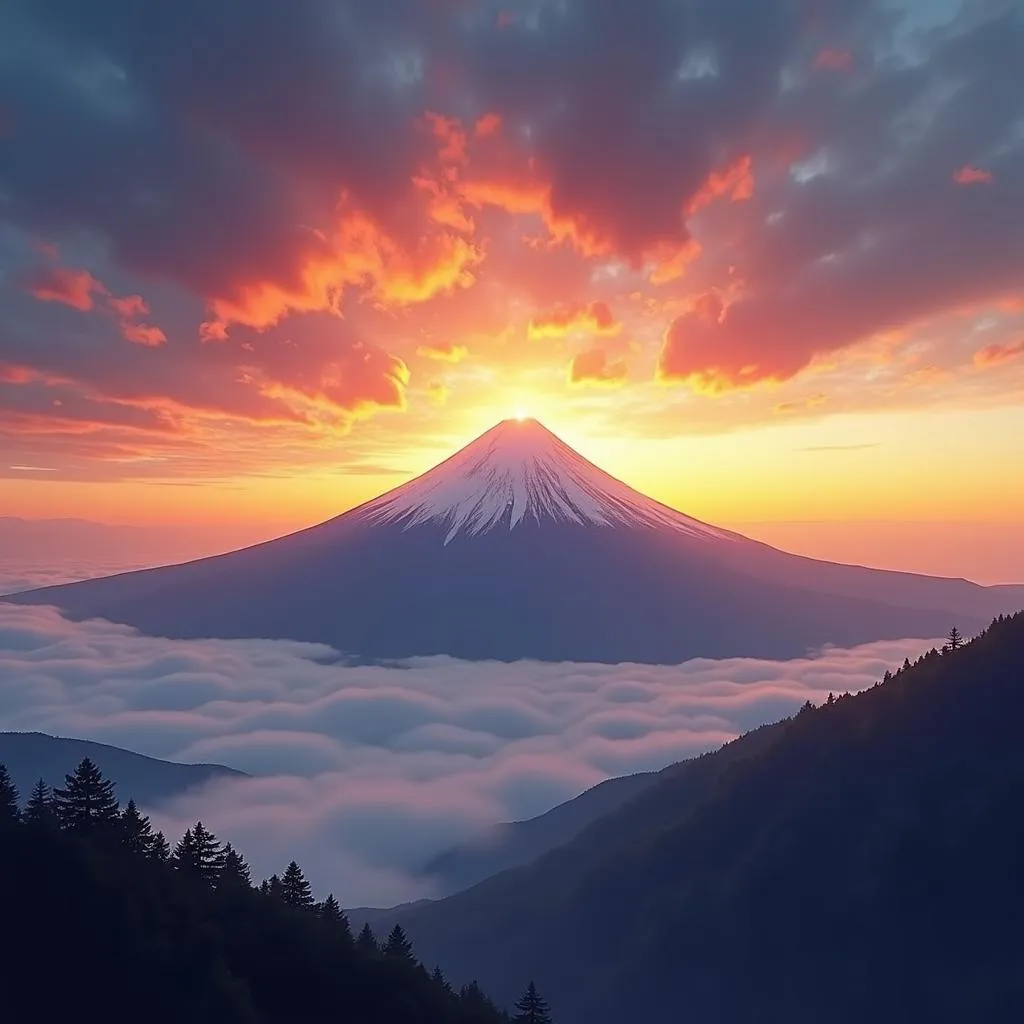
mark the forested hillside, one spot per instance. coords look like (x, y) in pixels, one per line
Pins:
(862, 864)
(103, 921)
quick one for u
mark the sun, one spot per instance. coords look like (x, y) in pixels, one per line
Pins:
(521, 414)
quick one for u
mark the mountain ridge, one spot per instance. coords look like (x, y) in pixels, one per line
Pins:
(854, 865)
(30, 756)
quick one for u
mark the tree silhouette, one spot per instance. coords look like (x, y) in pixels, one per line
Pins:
(234, 871)
(184, 856)
(272, 887)
(367, 941)
(295, 889)
(8, 797)
(200, 954)
(398, 945)
(39, 809)
(87, 800)
(159, 848)
(531, 1008)
(330, 910)
(137, 832)
(954, 640)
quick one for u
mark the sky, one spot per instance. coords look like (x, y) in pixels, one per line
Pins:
(364, 774)
(762, 259)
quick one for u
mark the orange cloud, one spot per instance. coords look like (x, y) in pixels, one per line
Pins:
(443, 351)
(360, 252)
(596, 318)
(143, 334)
(968, 175)
(736, 181)
(449, 132)
(363, 380)
(683, 360)
(73, 288)
(833, 60)
(994, 355)
(443, 207)
(594, 367)
(672, 265)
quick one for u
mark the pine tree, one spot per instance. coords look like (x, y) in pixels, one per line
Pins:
(87, 801)
(209, 857)
(137, 832)
(235, 871)
(531, 1008)
(954, 641)
(184, 856)
(159, 848)
(367, 941)
(331, 911)
(438, 978)
(9, 812)
(295, 889)
(398, 945)
(39, 810)
(271, 887)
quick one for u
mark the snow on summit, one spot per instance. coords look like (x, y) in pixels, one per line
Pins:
(516, 472)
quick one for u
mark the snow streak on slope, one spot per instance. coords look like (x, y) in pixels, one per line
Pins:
(518, 471)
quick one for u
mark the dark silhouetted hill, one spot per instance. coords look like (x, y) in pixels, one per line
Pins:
(30, 756)
(103, 921)
(861, 862)
(514, 843)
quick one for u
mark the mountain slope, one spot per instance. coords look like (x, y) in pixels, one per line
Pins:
(861, 865)
(515, 843)
(508, 550)
(30, 756)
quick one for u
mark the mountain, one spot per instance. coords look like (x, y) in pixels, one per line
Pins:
(513, 843)
(857, 862)
(518, 547)
(31, 756)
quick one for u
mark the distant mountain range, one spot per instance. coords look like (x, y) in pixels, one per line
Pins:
(856, 862)
(31, 756)
(518, 547)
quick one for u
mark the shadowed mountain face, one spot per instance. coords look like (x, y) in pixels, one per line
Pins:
(852, 863)
(517, 547)
(515, 843)
(31, 756)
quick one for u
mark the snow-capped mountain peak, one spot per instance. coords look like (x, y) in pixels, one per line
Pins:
(516, 472)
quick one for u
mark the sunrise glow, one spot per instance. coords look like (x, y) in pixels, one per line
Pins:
(710, 327)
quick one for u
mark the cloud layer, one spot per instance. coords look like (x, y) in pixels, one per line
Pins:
(314, 205)
(367, 771)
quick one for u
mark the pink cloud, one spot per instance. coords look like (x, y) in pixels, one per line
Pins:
(968, 175)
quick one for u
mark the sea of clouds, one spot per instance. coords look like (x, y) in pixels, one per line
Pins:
(363, 773)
